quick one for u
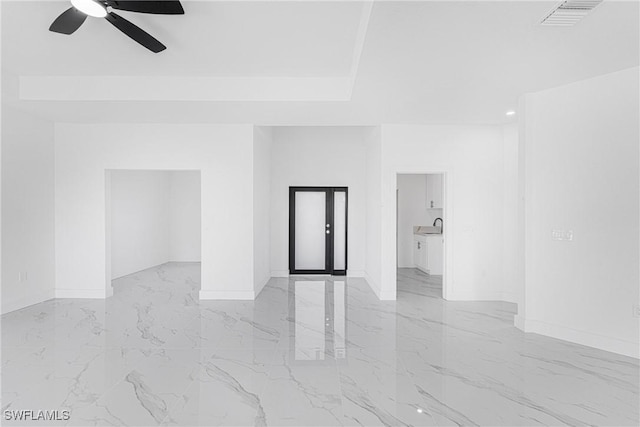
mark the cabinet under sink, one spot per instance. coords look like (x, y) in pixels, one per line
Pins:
(428, 253)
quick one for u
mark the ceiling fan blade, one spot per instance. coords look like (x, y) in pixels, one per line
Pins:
(156, 7)
(68, 22)
(135, 32)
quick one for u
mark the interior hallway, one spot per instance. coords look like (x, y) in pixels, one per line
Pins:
(308, 351)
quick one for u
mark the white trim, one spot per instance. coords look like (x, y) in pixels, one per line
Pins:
(424, 270)
(280, 273)
(261, 284)
(355, 273)
(81, 293)
(9, 305)
(382, 295)
(372, 284)
(589, 339)
(109, 292)
(387, 296)
(518, 322)
(310, 275)
(483, 296)
(185, 261)
(226, 295)
(180, 88)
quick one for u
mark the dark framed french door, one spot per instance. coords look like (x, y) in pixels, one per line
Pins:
(318, 230)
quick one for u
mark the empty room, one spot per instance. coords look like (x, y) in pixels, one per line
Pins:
(320, 213)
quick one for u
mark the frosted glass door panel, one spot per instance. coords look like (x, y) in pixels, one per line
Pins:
(310, 229)
(339, 230)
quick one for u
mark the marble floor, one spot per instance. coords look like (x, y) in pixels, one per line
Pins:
(309, 351)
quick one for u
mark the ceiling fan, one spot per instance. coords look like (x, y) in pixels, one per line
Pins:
(70, 20)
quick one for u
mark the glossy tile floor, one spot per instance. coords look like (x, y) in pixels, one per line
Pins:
(306, 352)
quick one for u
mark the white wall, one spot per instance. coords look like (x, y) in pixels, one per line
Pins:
(140, 220)
(512, 243)
(223, 154)
(262, 142)
(373, 240)
(27, 210)
(412, 211)
(582, 174)
(473, 161)
(184, 209)
(318, 156)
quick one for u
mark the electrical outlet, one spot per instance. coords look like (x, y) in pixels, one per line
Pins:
(22, 277)
(562, 235)
(636, 310)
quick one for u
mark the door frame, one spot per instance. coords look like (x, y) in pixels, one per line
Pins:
(329, 240)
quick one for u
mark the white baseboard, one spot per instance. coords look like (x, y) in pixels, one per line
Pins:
(285, 273)
(226, 295)
(518, 322)
(424, 270)
(184, 261)
(589, 339)
(382, 295)
(408, 266)
(355, 273)
(280, 273)
(372, 284)
(9, 304)
(509, 297)
(261, 283)
(81, 293)
(481, 296)
(387, 296)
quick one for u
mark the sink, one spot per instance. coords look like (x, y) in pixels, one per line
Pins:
(429, 230)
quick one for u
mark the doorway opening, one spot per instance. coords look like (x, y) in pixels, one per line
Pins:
(318, 232)
(153, 218)
(421, 229)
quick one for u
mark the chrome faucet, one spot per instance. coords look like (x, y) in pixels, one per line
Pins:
(441, 224)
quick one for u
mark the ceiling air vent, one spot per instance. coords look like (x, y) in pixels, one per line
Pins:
(570, 12)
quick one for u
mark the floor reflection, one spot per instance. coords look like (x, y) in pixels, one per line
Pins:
(318, 312)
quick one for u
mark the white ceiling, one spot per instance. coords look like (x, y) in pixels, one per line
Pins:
(292, 39)
(305, 63)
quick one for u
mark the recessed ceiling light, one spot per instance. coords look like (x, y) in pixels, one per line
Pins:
(419, 410)
(90, 7)
(510, 113)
